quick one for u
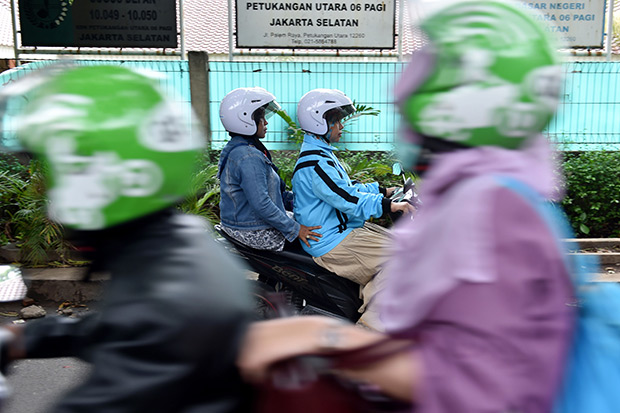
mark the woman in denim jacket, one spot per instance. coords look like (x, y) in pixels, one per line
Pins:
(253, 196)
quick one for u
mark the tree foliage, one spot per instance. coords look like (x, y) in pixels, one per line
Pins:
(592, 201)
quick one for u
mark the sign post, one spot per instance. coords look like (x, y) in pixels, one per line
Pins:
(98, 23)
(294, 24)
(576, 24)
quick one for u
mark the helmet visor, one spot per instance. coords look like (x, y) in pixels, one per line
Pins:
(339, 113)
(265, 111)
(271, 108)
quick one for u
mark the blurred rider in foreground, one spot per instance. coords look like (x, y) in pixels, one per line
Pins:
(477, 282)
(117, 157)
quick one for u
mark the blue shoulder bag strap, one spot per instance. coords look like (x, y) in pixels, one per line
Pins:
(557, 223)
(592, 374)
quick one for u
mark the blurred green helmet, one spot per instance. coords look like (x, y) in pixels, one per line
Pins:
(489, 75)
(114, 148)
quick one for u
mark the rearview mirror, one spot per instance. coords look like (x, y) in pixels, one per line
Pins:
(397, 169)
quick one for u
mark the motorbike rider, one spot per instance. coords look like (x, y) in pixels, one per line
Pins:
(478, 282)
(118, 156)
(253, 196)
(324, 193)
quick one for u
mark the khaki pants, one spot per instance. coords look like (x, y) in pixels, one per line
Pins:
(360, 257)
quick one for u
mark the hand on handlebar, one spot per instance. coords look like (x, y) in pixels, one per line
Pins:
(405, 207)
(390, 191)
(306, 233)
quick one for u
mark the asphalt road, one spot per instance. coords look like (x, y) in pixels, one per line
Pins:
(36, 384)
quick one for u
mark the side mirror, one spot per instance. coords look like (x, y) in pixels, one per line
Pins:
(12, 286)
(409, 184)
(397, 169)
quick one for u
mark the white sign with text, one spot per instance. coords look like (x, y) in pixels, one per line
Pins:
(348, 24)
(576, 24)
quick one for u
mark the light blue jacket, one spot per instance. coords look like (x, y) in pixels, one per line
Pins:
(325, 195)
(251, 191)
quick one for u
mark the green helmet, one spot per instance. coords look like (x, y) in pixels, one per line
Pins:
(114, 148)
(491, 76)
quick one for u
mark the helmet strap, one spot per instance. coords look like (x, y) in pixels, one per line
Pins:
(432, 147)
(438, 145)
(327, 135)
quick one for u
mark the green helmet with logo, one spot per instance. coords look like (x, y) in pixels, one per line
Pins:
(114, 148)
(489, 75)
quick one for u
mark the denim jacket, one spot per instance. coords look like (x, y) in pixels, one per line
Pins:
(251, 191)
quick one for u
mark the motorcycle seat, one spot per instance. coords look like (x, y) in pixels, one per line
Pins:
(292, 251)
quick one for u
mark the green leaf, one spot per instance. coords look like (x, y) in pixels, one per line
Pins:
(296, 134)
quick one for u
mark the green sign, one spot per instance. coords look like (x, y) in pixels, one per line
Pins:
(98, 23)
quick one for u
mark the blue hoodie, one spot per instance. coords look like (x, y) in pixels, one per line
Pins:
(325, 195)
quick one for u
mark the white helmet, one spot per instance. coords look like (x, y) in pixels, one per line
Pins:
(238, 107)
(314, 104)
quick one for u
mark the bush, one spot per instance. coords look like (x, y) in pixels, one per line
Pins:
(592, 200)
(371, 167)
(205, 197)
(285, 161)
(593, 193)
(24, 218)
(11, 165)
(361, 166)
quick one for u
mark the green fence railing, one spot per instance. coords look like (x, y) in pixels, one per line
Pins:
(588, 117)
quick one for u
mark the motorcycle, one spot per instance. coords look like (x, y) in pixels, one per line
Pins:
(309, 288)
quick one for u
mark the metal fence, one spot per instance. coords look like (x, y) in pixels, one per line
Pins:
(588, 117)
(172, 76)
(369, 84)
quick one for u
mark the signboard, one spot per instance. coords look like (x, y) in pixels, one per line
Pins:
(98, 23)
(347, 24)
(575, 23)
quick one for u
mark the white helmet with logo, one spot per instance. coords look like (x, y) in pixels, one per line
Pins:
(238, 107)
(315, 104)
